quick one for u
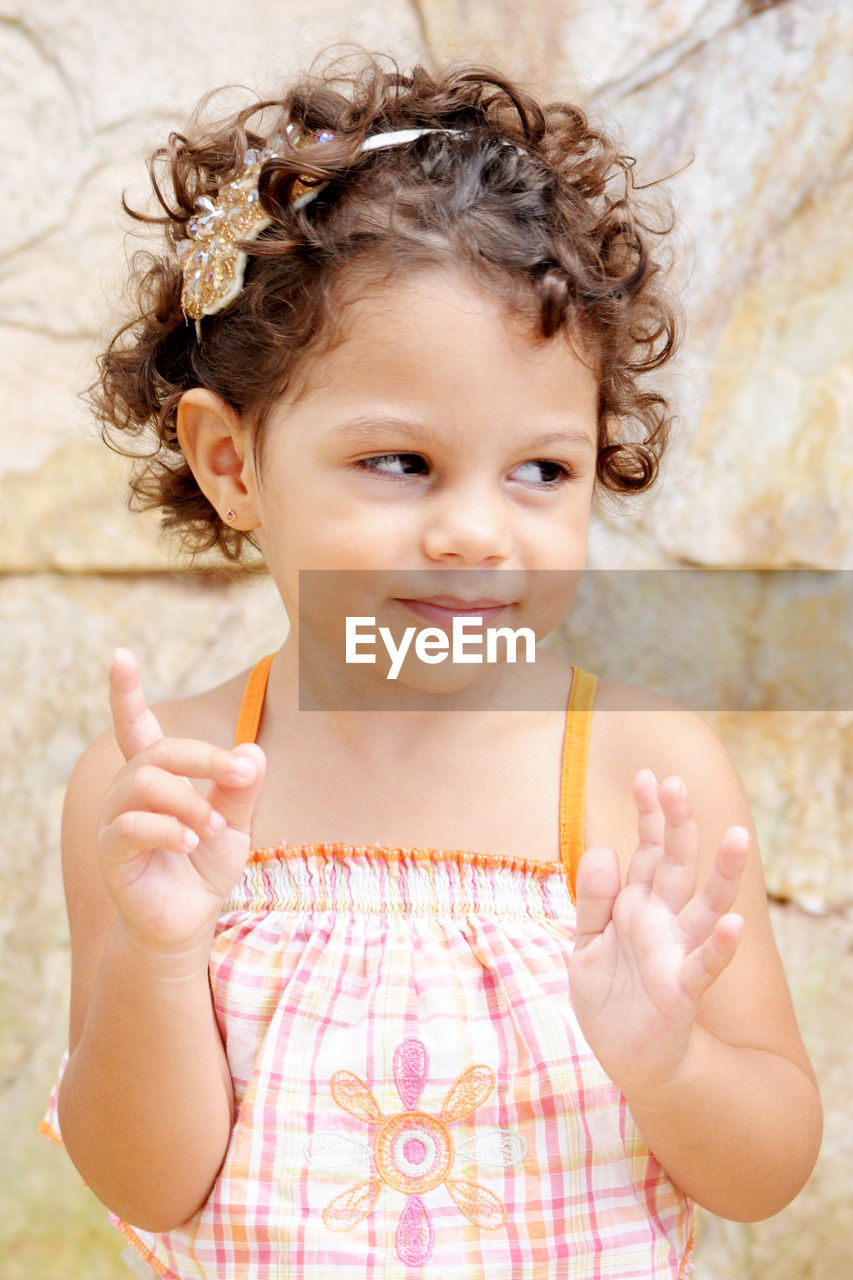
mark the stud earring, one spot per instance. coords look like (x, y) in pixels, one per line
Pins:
(230, 514)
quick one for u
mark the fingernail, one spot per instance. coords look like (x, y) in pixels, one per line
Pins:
(190, 840)
(215, 822)
(243, 768)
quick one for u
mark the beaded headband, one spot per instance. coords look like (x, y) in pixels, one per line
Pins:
(212, 264)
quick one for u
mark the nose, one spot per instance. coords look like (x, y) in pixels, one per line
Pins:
(470, 527)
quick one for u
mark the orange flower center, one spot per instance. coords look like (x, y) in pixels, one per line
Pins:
(413, 1152)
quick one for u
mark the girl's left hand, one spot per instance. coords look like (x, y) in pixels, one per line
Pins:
(648, 950)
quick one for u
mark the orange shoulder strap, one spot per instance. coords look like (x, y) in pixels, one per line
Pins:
(573, 777)
(249, 719)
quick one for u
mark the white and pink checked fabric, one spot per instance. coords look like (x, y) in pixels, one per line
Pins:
(415, 1098)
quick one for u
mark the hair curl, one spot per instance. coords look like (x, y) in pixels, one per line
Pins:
(551, 222)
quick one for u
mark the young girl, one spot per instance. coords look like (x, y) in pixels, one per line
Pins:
(346, 997)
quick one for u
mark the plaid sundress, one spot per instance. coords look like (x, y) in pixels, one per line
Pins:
(415, 1099)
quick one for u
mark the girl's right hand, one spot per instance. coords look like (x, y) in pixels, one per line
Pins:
(168, 854)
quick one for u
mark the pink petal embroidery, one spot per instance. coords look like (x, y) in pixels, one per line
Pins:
(469, 1092)
(348, 1209)
(479, 1205)
(353, 1095)
(414, 1233)
(411, 1067)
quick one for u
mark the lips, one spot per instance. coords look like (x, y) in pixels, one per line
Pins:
(443, 609)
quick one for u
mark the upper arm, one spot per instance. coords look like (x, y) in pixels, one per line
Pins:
(750, 1003)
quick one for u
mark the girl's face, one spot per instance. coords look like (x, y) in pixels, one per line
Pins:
(438, 442)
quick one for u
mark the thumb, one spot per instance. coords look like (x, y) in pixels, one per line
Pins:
(598, 883)
(236, 801)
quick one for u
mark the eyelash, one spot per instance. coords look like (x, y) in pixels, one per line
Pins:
(368, 464)
(564, 472)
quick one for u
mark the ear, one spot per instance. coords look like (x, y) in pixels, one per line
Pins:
(215, 442)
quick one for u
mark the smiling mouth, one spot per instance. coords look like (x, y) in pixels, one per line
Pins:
(443, 609)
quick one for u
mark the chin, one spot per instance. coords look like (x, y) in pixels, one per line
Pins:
(449, 686)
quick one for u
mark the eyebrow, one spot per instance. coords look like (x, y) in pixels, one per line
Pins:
(561, 437)
(366, 428)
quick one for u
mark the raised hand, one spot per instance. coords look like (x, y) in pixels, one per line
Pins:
(169, 854)
(647, 951)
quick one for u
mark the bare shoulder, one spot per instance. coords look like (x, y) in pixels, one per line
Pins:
(634, 728)
(647, 729)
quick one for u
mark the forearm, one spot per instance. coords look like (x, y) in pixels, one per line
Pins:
(146, 1105)
(738, 1130)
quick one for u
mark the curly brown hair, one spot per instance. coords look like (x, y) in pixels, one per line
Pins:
(552, 222)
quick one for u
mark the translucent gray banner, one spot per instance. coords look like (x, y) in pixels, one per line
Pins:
(709, 639)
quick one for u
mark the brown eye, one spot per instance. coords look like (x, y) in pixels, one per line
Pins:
(550, 474)
(395, 464)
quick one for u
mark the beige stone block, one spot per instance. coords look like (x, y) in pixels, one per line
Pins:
(60, 287)
(767, 478)
(496, 34)
(681, 633)
(761, 469)
(72, 515)
(62, 294)
(153, 60)
(68, 510)
(737, 640)
(572, 41)
(618, 47)
(41, 141)
(801, 641)
(797, 771)
(762, 112)
(40, 377)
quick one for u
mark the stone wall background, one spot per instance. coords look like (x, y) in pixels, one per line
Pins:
(761, 477)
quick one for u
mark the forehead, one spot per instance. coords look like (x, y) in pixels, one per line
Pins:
(437, 335)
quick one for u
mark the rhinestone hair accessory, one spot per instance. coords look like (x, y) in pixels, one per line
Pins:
(212, 264)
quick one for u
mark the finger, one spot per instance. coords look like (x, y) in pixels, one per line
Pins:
(704, 965)
(675, 875)
(598, 885)
(135, 724)
(650, 829)
(132, 833)
(719, 892)
(193, 758)
(236, 800)
(158, 791)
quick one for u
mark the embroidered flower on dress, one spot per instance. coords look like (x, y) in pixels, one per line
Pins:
(414, 1151)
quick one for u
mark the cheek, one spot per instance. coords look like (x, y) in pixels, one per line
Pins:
(555, 596)
(365, 530)
(338, 540)
(561, 543)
